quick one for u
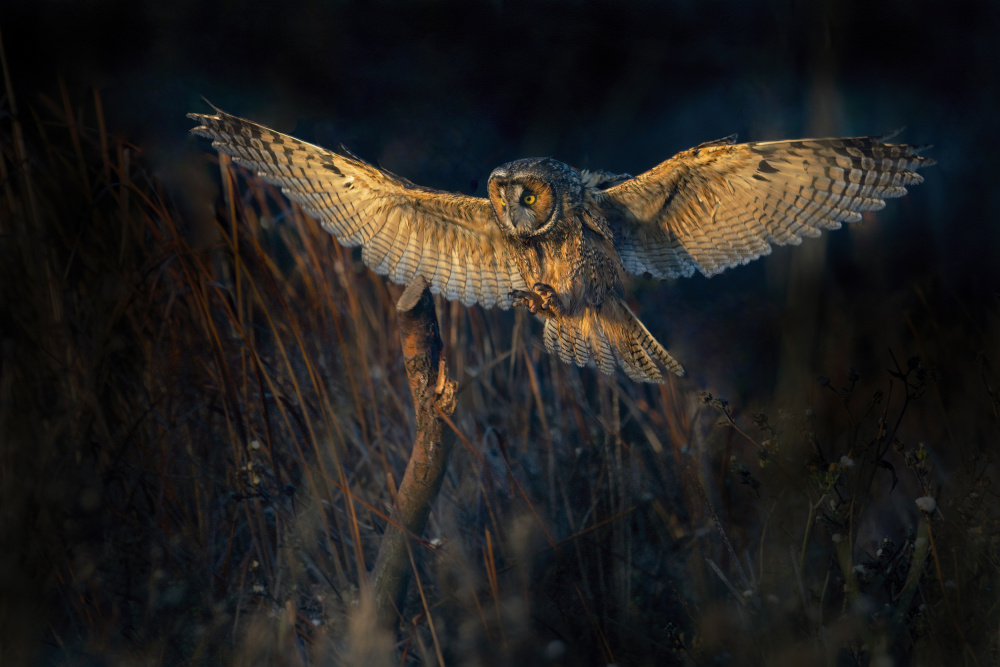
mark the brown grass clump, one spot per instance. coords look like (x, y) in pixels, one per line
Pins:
(199, 438)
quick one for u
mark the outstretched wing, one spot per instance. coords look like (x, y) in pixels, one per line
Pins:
(405, 230)
(722, 204)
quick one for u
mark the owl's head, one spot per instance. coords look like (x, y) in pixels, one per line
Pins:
(531, 196)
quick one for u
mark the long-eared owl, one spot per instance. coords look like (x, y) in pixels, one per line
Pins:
(558, 240)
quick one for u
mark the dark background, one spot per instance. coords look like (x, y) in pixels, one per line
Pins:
(441, 92)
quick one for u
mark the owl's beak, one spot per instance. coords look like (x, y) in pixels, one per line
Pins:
(519, 220)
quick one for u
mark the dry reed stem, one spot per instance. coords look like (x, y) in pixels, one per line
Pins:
(433, 395)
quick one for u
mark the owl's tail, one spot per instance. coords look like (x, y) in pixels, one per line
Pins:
(609, 336)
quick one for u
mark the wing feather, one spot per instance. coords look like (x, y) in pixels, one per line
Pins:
(410, 259)
(473, 281)
(405, 230)
(456, 283)
(390, 241)
(722, 204)
(489, 286)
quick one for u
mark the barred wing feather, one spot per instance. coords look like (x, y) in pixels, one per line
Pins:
(405, 230)
(723, 204)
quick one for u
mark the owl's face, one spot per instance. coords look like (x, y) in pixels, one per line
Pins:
(528, 195)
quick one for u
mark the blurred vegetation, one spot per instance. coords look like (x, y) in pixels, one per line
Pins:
(199, 427)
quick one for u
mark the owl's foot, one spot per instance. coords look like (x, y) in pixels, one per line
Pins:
(550, 300)
(526, 299)
(541, 300)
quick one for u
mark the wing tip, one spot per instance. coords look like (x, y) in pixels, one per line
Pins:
(885, 136)
(219, 113)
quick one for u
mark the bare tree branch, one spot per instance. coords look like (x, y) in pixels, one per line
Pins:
(432, 390)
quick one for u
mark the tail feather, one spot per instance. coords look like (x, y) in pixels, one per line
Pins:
(604, 354)
(608, 337)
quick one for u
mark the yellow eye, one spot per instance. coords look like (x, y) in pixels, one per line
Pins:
(503, 202)
(528, 199)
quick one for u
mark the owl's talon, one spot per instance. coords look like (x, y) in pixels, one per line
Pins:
(550, 301)
(525, 299)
